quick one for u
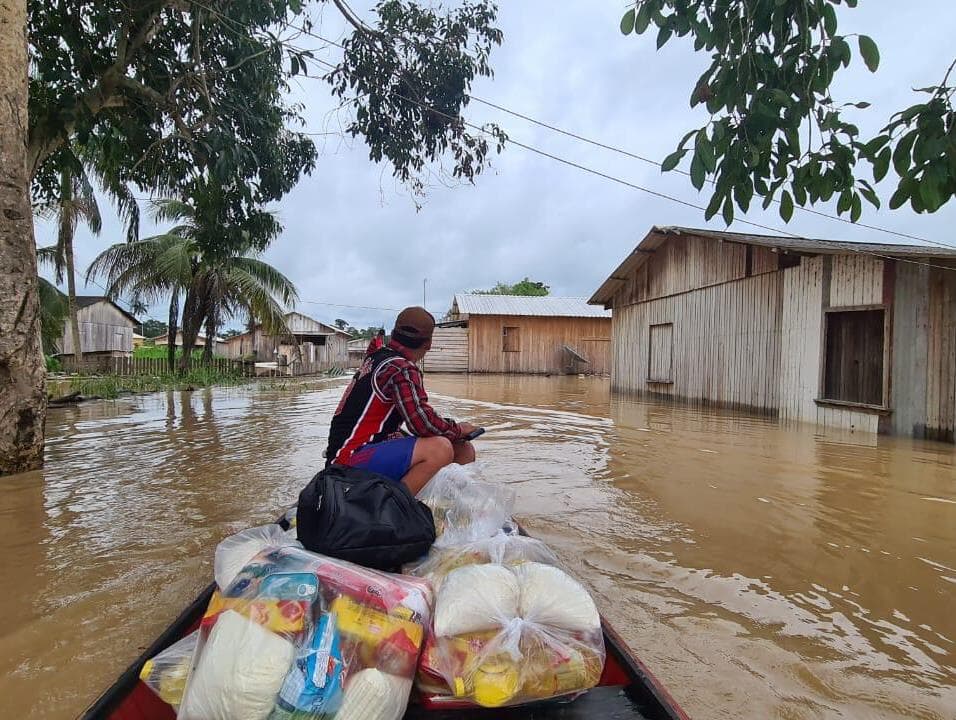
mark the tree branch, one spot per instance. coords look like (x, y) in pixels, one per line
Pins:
(354, 20)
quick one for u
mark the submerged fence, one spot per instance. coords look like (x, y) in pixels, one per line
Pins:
(107, 365)
(130, 366)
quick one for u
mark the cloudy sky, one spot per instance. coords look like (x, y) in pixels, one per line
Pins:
(354, 238)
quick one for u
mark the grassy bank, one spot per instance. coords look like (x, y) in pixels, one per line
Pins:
(112, 386)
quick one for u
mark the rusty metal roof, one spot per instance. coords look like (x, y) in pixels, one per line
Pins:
(781, 243)
(544, 306)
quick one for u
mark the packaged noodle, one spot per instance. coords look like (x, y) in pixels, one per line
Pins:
(166, 673)
(511, 634)
(465, 508)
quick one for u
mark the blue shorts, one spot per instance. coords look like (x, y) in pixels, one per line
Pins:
(390, 458)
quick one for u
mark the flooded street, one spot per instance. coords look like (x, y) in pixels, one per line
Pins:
(761, 571)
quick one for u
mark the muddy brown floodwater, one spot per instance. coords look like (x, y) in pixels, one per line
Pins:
(761, 571)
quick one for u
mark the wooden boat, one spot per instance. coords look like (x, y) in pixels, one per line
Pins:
(627, 690)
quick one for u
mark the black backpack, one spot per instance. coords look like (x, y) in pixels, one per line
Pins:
(365, 518)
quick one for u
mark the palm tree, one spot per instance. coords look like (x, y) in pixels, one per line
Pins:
(148, 269)
(227, 280)
(77, 202)
(54, 311)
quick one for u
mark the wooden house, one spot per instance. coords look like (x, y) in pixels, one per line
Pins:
(313, 346)
(845, 335)
(519, 334)
(163, 341)
(106, 329)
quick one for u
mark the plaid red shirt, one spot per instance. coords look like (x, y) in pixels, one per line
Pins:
(400, 381)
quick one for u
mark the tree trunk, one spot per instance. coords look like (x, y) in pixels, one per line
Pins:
(193, 316)
(65, 240)
(22, 372)
(172, 330)
(211, 330)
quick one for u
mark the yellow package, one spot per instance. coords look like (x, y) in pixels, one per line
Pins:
(283, 617)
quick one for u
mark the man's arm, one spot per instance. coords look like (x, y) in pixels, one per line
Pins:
(401, 382)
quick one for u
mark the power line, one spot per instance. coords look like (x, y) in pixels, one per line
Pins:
(644, 159)
(848, 246)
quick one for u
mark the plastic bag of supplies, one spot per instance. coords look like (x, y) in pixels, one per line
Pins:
(300, 635)
(511, 634)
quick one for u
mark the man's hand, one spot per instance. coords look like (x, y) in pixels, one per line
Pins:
(466, 429)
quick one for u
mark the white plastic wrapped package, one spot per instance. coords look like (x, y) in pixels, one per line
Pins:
(239, 673)
(234, 552)
(501, 549)
(329, 634)
(530, 633)
(166, 673)
(476, 598)
(464, 507)
(374, 695)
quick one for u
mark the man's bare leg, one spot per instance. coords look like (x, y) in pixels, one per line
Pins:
(430, 455)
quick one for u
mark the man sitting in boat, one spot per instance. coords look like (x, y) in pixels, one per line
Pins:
(386, 392)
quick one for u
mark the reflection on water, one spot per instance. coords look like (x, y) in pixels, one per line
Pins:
(761, 571)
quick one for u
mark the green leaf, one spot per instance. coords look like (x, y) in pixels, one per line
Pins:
(856, 208)
(705, 149)
(663, 36)
(900, 196)
(870, 52)
(643, 19)
(714, 205)
(672, 160)
(870, 195)
(929, 192)
(786, 206)
(901, 156)
(728, 211)
(881, 164)
(875, 144)
(861, 105)
(829, 19)
(697, 172)
(627, 22)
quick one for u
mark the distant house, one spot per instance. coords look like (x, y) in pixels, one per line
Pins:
(357, 350)
(845, 335)
(106, 329)
(163, 341)
(314, 345)
(138, 340)
(519, 334)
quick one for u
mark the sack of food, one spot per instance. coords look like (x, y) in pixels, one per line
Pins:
(464, 507)
(511, 634)
(166, 673)
(301, 635)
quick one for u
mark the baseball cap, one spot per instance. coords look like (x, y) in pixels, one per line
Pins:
(413, 327)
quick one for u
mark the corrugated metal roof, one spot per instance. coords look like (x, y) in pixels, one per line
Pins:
(800, 245)
(545, 306)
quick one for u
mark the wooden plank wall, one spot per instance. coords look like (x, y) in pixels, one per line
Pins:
(941, 356)
(800, 335)
(541, 339)
(683, 264)
(449, 352)
(102, 329)
(856, 280)
(908, 374)
(726, 341)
